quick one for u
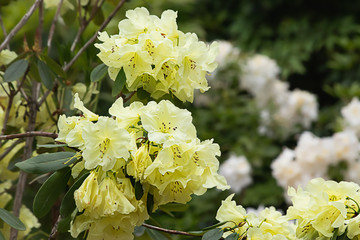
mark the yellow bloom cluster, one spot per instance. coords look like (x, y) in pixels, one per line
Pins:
(154, 145)
(269, 224)
(156, 56)
(326, 207)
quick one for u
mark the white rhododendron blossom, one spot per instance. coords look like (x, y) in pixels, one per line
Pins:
(351, 115)
(156, 56)
(236, 171)
(323, 207)
(258, 75)
(227, 54)
(267, 224)
(154, 145)
(313, 156)
(279, 107)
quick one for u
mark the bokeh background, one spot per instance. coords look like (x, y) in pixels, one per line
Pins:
(316, 45)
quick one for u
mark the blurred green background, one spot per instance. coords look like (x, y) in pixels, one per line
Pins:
(315, 43)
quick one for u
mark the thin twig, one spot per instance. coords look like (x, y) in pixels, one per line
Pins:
(23, 93)
(85, 22)
(4, 31)
(53, 25)
(8, 150)
(170, 231)
(39, 29)
(21, 23)
(46, 94)
(129, 97)
(2, 86)
(54, 230)
(93, 38)
(29, 134)
(27, 154)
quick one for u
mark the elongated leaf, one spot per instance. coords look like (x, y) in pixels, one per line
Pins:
(119, 82)
(150, 203)
(54, 66)
(50, 191)
(2, 236)
(64, 224)
(214, 234)
(47, 162)
(215, 225)
(10, 219)
(46, 75)
(16, 70)
(51, 145)
(139, 191)
(68, 203)
(233, 236)
(142, 94)
(156, 235)
(98, 73)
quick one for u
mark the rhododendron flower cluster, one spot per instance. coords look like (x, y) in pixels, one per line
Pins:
(154, 145)
(156, 56)
(279, 106)
(269, 224)
(313, 156)
(326, 207)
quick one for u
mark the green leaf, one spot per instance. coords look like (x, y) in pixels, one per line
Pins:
(33, 71)
(51, 145)
(150, 203)
(64, 224)
(68, 203)
(16, 70)
(119, 83)
(98, 73)
(46, 75)
(2, 236)
(47, 162)
(155, 235)
(215, 226)
(233, 236)
(50, 191)
(10, 219)
(55, 67)
(139, 191)
(142, 94)
(214, 234)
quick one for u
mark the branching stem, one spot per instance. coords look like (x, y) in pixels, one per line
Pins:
(21, 23)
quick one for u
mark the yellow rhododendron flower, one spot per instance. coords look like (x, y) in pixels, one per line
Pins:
(233, 213)
(115, 213)
(126, 116)
(139, 163)
(323, 206)
(104, 144)
(165, 122)
(7, 56)
(268, 224)
(86, 197)
(112, 199)
(156, 56)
